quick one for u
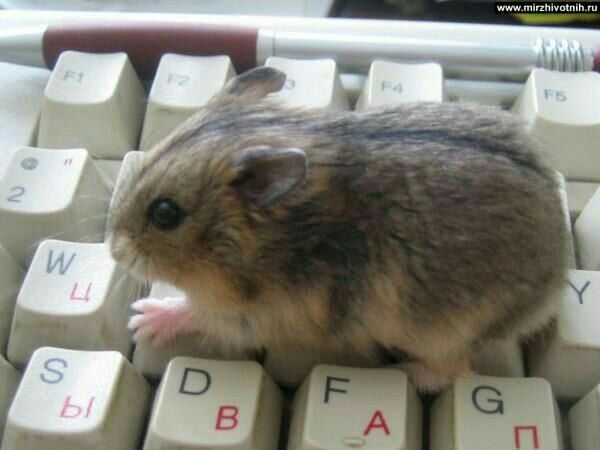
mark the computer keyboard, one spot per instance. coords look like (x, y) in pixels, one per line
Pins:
(70, 376)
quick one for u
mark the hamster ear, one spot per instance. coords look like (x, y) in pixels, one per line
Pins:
(266, 175)
(256, 83)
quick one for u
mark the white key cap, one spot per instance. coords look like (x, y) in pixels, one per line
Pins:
(579, 193)
(390, 83)
(11, 277)
(239, 407)
(311, 83)
(93, 101)
(50, 193)
(152, 361)
(9, 379)
(19, 107)
(500, 358)
(562, 184)
(496, 413)
(74, 296)
(290, 367)
(587, 234)
(74, 400)
(182, 85)
(569, 357)
(584, 421)
(563, 111)
(344, 408)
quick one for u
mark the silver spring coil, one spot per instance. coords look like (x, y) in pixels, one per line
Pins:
(562, 55)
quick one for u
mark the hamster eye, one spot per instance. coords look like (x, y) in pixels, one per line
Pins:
(165, 214)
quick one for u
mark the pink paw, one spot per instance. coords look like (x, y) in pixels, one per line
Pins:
(160, 320)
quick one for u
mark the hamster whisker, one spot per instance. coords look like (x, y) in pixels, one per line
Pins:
(104, 182)
(88, 239)
(104, 198)
(130, 295)
(95, 262)
(106, 175)
(140, 268)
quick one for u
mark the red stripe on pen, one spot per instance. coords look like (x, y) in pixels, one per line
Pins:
(146, 43)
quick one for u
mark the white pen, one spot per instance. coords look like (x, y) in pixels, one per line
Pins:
(249, 47)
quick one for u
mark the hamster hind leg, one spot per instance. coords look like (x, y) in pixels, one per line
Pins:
(160, 320)
(431, 379)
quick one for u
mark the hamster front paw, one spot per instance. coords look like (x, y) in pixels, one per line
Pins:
(160, 320)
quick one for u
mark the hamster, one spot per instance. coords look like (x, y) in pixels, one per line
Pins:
(420, 230)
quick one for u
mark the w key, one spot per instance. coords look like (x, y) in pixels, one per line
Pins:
(74, 296)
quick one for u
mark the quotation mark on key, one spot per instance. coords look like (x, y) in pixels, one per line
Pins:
(29, 163)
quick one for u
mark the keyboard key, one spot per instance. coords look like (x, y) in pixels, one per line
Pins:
(497, 414)
(92, 101)
(563, 112)
(584, 421)
(500, 358)
(9, 380)
(290, 367)
(390, 83)
(74, 296)
(579, 193)
(344, 408)
(569, 357)
(11, 277)
(19, 108)
(587, 234)
(74, 400)
(152, 361)
(311, 83)
(562, 185)
(182, 85)
(238, 405)
(50, 193)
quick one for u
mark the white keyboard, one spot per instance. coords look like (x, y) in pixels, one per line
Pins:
(70, 376)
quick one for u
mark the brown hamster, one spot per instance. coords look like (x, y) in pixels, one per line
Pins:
(422, 229)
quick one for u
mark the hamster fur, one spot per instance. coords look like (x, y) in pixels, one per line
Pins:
(421, 229)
